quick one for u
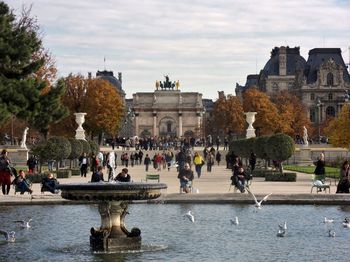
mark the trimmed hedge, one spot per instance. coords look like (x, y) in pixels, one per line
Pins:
(285, 177)
(37, 178)
(263, 172)
(64, 173)
(75, 172)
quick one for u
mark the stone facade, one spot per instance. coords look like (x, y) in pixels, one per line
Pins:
(322, 82)
(167, 113)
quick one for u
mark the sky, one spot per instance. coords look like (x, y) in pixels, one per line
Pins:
(208, 45)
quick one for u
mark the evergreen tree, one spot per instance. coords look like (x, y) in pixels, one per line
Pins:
(26, 73)
(19, 40)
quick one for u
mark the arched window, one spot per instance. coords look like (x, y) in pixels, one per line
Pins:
(330, 96)
(330, 111)
(329, 79)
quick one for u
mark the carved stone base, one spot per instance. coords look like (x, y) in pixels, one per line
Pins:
(100, 240)
(112, 235)
(250, 133)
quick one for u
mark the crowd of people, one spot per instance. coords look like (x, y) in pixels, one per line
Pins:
(183, 159)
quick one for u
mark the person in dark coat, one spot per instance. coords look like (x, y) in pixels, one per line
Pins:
(123, 176)
(320, 167)
(344, 183)
(98, 175)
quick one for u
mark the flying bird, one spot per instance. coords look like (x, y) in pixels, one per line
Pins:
(258, 203)
(189, 216)
(24, 224)
(235, 221)
(346, 225)
(9, 236)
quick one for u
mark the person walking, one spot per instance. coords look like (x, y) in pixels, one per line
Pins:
(198, 162)
(147, 162)
(210, 161)
(218, 157)
(83, 163)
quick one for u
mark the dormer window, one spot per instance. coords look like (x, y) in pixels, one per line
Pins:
(330, 79)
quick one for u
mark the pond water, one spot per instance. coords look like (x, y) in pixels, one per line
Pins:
(61, 233)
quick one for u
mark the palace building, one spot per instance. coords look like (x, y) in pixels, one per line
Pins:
(322, 82)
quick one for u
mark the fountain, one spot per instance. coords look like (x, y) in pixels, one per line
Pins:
(112, 199)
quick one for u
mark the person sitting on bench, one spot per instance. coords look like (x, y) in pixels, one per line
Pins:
(22, 183)
(239, 179)
(186, 176)
(50, 183)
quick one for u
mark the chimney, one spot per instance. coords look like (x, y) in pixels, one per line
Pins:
(120, 77)
(282, 57)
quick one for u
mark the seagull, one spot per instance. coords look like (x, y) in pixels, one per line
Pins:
(235, 221)
(10, 236)
(346, 225)
(189, 216)
(24, 224)
(258, 204)
(326, 220)
(281, 233)
(331, 233)
(284, 226)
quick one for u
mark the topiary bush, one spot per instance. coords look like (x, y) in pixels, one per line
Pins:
(285, 177)
(77, 148)
(94, 147)
(280, 147)
(260, 146)
(58, 148)
(86, 146)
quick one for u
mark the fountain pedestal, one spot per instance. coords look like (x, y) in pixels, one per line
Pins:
(113, 200)
(112, 235)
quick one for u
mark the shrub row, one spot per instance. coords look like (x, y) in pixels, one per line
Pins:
(285, 177)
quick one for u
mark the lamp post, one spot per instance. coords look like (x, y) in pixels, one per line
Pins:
(318, 104)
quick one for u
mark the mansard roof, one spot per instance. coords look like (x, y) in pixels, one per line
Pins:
(318, 56)
(294, 61)
(109, 76)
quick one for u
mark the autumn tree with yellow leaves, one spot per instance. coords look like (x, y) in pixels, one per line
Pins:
(228, 114)
(267, 120)
(338, 128)
(293, 113)
(96, 97)
(104, 107)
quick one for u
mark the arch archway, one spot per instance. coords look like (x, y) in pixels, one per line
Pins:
(167, 127)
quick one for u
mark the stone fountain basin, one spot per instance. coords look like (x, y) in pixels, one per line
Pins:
(105, 191)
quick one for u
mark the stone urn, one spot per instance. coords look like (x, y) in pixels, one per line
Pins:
(112, 199)
(80, 119)
(250, 118)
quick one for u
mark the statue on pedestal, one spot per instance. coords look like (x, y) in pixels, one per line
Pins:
(305, 137)
(24, 138)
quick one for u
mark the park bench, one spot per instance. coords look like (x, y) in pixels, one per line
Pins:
(152, 177)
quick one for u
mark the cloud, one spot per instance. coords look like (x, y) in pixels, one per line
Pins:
(207, 45)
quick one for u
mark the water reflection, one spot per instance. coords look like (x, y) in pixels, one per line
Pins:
(62, 233)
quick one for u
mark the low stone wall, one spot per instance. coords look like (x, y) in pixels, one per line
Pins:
(18, 156)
